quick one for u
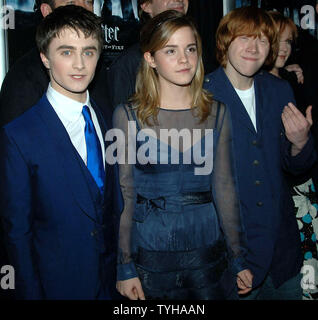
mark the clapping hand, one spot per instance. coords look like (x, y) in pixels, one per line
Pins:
(296, 126)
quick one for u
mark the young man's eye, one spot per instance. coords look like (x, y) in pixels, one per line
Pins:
(66, 52)
(264, 40)
(88, 53)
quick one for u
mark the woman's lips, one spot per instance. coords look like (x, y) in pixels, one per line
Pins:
(184, 70)
(179, 8)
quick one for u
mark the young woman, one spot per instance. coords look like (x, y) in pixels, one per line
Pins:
(292, 73)
(180, 232)
(302, 187)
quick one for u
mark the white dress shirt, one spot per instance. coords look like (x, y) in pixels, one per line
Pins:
(69, 112)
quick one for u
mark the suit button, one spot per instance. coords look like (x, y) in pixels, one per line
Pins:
(207, 80)
(259, 203)
(255, 162)
(93, 233)
(254, 142)
(257, 182)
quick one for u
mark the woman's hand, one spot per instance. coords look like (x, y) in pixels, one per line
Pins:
(131, 289)
(244, 281)
(298, 70)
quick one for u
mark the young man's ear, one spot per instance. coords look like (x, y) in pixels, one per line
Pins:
(45, 9)
(45, 60)
(146, 6)
(150, 60)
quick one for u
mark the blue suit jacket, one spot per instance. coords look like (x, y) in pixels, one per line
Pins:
(266, 203)
(60, 232)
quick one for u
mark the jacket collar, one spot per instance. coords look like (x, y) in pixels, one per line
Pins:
(218, 83)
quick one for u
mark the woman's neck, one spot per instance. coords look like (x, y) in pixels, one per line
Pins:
(175, 98)
(275, 72)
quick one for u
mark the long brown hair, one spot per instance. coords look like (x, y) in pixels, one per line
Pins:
(154, 36)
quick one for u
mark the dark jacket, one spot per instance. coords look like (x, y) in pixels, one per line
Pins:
(266, 203)
(121, 76)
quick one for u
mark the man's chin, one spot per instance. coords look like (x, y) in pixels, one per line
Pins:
(248, 74)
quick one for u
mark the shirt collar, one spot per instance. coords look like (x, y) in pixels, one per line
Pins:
(246, 92)
(67, 109)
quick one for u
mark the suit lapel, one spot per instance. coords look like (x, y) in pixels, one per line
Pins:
(259, 106)
(101, 121)
(224, 91)
(105, 124)
(69, 158)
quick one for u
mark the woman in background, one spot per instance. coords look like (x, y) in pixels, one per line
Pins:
(288, 36)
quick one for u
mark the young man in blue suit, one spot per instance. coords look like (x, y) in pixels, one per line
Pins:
(60, 201)
(269, 135)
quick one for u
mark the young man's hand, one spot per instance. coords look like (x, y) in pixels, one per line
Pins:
(131, 289)
(296, 126)
(244, 281)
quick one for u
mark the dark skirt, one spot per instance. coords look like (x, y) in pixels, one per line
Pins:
(200, 274)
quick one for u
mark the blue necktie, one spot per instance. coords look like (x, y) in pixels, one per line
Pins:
(94, 151)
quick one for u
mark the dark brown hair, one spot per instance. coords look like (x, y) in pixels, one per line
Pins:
(68, 17)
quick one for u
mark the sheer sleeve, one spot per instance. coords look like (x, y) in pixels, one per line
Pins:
(125, 265)
(225, 191)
